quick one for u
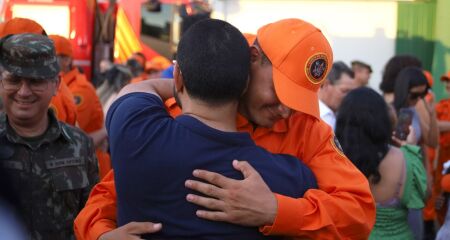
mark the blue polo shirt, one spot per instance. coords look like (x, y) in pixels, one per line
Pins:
(154, 154)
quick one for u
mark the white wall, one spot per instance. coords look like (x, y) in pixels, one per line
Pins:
(363, 30)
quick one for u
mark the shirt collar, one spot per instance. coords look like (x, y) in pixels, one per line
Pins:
(242, 123)
(53, 132)
(324, 109)
(281, 126)
(70, 76)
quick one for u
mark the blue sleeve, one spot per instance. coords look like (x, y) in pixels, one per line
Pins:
(168, 72)
(301, 174)
(133, 117)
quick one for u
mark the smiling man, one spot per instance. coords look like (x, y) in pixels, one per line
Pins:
(51, 165)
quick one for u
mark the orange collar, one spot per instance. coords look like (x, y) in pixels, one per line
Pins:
(242, 123)
(281, 126)
(70, 76)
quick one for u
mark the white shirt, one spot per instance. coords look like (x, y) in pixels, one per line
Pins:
(327, 114)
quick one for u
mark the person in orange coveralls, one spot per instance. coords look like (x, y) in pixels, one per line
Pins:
(443, 115)
(88, 106)
(62, 103)
(289, 60)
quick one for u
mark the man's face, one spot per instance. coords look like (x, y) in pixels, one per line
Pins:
(362, 75)
(26, 100)
(260, 104)
(65, 63)
(335, 93)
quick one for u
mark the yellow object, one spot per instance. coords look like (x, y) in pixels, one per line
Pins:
(126, 42)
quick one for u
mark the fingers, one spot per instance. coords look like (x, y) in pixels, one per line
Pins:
(213, 216)
(209, 203)
(244, 167)
(142, 227)
(205, 188)
(213, 178)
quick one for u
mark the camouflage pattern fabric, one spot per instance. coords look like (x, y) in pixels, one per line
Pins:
(52, 174)
(29, 56)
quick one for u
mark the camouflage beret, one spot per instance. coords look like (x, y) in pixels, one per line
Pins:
(29, 56)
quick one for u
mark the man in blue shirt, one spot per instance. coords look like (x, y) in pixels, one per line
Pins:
(153, 154)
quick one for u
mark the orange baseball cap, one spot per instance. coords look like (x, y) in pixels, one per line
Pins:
(158, 63)
(301, 58)
(62, 45)
(429, 77)
(20, 25)
(250, 37)
(446, 77)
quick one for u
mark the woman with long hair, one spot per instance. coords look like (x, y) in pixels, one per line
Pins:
(411, 86)
(396, 175)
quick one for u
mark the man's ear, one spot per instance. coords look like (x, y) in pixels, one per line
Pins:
(255, 54)
(178, 78)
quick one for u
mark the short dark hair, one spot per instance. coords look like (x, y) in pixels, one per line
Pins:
(337, 70)
(357, 63)
(393, 68)
(214, 60)
(408, 78)
(364, 130)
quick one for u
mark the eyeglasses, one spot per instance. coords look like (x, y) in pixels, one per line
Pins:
(15, 83)
(416, 95)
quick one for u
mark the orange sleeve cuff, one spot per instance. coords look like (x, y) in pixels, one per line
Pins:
(288, 217)
(100, 227)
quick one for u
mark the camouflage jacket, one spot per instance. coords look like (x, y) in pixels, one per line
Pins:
(52, 176)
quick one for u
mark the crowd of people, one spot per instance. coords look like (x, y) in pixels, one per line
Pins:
(243, 136)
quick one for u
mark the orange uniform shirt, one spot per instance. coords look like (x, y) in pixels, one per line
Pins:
(63, 105)
(343, 208)
(443, 114)
(89, 111)
(89, 108)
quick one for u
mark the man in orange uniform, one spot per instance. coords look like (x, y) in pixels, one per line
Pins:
(137, 63)
(88, 106)
(62, 103)
(443, 115)
(289, 60)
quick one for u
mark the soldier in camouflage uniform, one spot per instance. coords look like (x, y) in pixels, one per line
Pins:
(52, 165)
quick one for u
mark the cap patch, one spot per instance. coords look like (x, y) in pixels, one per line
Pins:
(316, 68)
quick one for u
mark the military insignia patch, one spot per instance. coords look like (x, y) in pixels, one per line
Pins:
(78, 99)
(316, 68)
(337, 146)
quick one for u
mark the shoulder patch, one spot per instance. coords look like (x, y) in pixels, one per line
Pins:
(316, 68)
(337, 146)
(78, 99)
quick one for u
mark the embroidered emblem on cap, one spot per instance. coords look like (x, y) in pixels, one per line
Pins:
(316, 68)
